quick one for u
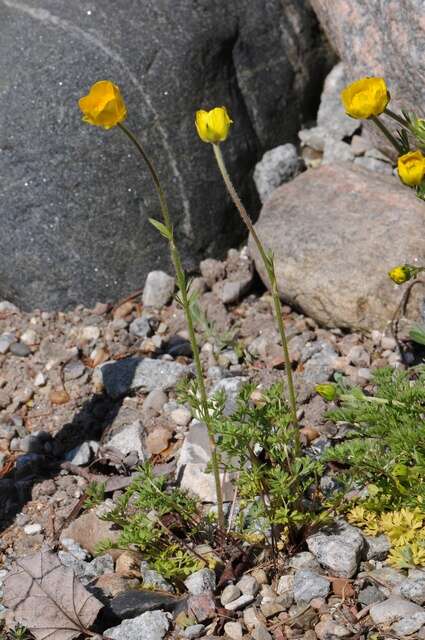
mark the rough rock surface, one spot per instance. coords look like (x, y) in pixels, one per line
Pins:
(75, 199)
(335, 232)
(380, 38)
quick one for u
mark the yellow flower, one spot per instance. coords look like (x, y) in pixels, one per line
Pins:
(365, 98)
(213, 126)
(401, 274)
(104, 105)
(411, 168)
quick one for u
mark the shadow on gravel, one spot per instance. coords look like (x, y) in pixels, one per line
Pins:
(46, 453)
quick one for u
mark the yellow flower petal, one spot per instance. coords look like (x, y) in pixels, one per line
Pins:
(365, 98)
(104, 105)
(411, 168)
(213, 126)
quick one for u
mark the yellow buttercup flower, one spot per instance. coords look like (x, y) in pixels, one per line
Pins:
(411, 168)
(213, 126)
(365, 98)
(104, 105)
(401, 274)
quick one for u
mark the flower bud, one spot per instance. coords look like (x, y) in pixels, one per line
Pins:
(213, 126)
(104, 105)
(327, 391)
(401, 273)
(365, 98)
(411, 168)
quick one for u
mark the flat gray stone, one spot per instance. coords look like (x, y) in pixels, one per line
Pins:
(338, 549)
(393, 609)
(309, 585)
(202, 581)
(331, 115)
(152, 625)
(120, 376)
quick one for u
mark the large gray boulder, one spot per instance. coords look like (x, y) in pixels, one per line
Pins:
(335, 233)
(75, 200)
(380, 39)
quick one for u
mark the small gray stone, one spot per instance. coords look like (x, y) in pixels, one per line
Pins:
(202, 581)
(20, 349)
(331, 630)
(119, 377)
(336, 151)
(194, 631)
(309, 585)
(248, 585)
(370, 595)
(407, 626)
(74, 548)
(304, 560)
(73, 370)
(141, 327)
(154, 580)
(377, 547)
(414, 589)
(82, 454)
(315, 138)
(372, 164)
(277, 166)
(230, 593)
(194, 456)
(159, 288)
(231, 388)
(393, 609)
(239, 603)
(260, 633)
(32, 529)
(233, 630)
(338, 550)
(6, 339)
(152, 625)
(128, 439)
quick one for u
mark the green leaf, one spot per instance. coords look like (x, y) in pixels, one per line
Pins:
(417, 334)
(163, 230)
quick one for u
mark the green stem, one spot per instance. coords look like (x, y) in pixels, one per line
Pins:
(397, 118)
(181, 282)
(387, 134)
(269, 266)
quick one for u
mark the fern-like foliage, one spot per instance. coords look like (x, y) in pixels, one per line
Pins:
(385, 449)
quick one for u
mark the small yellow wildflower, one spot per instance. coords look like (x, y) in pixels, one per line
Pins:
(411, 168)
(401, 274)
(213, 126)
(103, 106)
(365, 98)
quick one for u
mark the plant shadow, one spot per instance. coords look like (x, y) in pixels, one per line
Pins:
(46, 454)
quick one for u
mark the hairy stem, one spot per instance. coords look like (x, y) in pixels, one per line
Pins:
(182, 285)
(387, 134)
(397, 118)
(269, 266)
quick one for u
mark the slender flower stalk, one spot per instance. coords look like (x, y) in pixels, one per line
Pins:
(397, 118)
(184, 299)
(387, 134)
(270, 269)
